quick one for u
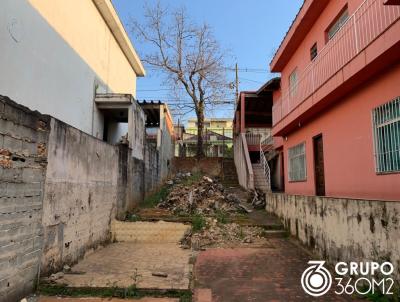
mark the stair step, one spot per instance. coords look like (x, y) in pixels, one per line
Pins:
(202, 295)
(276, 234)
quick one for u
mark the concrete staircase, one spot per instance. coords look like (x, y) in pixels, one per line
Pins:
(230, 178)
(260, 181)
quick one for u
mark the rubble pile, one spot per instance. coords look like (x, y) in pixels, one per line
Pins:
(204, 197)
(258, 199)
(216, 234)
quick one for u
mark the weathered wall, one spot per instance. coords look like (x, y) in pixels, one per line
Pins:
(80, 196)
(23, 150)
(210, 165)
(342, 229)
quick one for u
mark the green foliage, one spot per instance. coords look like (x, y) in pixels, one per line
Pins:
(222, 216)
(154, 199)
(194, 178)
(198, 223)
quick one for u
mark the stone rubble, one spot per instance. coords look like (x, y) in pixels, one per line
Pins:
(216, 234)
(204, 197)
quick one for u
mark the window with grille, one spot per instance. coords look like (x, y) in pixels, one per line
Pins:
(297, 163)
(338, 23)
(293, 83)
(313, 51)
(386, 123)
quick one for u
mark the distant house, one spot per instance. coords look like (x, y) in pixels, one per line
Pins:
(217, 137)
(72, 60)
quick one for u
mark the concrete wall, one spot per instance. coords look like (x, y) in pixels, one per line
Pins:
(342, 229)
(60, 188)
(80, 195)
(23, 153)
(56, 54)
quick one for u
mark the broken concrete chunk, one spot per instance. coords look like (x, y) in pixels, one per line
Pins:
(160, 274)
(56, 276)
(66, 268)
(208, 179)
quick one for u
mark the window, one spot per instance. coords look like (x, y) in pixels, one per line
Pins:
(297, 163)
(293, 83)
(386, 124)
(338, 23)
(313, 51)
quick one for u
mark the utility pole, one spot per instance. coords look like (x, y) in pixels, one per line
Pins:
(237, 82)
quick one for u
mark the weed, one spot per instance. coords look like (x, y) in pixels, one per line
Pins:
(222, 216)
(194, 178)
(154, 199)
(198, 223)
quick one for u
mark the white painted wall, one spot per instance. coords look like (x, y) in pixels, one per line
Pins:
(54, 67)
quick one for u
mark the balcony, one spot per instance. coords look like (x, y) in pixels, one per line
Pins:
(368, 23)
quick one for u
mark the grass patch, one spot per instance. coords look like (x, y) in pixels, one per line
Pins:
(113, 292)
(222, 216)
(155, 198)
(198, 223)
(194, 178)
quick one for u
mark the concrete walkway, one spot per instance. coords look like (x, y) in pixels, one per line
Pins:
(124, 264)
(264, 274)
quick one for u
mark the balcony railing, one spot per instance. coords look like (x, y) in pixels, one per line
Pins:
(368, 22)
(255, 135)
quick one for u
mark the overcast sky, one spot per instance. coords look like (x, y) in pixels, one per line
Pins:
(251, 30)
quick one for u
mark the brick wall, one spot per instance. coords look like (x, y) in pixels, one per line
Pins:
(23, 150)
(210, 165)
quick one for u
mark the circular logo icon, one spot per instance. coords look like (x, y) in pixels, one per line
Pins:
(316, 279)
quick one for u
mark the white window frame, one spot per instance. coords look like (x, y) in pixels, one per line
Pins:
(300, 150)
(386, 137)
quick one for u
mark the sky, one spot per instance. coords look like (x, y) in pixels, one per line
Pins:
(251, 30)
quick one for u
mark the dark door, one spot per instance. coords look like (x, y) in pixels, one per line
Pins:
(319, 166)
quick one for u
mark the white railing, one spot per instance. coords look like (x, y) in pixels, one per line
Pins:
(255, 135)
(367, 23)
(264, 162)
(242, 162)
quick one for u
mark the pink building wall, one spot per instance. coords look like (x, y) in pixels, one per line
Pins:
(348, 144)
(301, 57)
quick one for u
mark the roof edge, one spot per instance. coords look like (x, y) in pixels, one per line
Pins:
(110, 16)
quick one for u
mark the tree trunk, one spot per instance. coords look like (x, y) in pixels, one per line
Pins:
(200, 130)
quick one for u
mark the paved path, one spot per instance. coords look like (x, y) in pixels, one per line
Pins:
(270, 274)
(123, 264)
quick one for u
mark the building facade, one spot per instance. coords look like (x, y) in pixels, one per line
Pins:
(336, 117)
(58, 56)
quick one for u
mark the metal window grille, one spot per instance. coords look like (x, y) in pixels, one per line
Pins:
(338, 24)
(386, 125)
(293, 79)
(297, 163)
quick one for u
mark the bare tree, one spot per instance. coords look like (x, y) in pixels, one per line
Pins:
(189, 57)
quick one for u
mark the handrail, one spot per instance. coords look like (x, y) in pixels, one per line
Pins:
(264, 164)
(242, 162)
(366, 24)
(249, 167)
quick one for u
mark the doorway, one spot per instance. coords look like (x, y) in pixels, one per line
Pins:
(319, 165)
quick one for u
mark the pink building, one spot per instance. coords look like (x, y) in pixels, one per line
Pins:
(339, 109)
(336, 114)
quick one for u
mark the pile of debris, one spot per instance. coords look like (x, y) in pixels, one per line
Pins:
(258, 199)
(204, 197)
(216, 234)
